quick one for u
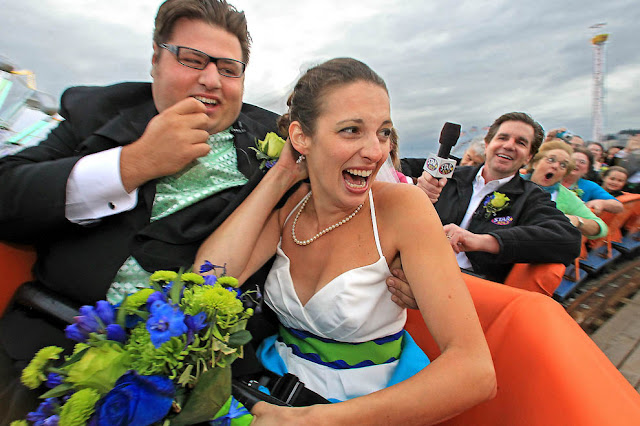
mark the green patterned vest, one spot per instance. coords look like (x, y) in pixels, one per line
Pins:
(203, 178)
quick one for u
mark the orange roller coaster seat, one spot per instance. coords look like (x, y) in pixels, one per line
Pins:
(15, 265)
(548, 370)
(540, 278)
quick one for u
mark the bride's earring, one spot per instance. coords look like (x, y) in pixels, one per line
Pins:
(300, 159)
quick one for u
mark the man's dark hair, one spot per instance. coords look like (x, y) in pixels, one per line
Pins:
(538, 131)
(214, 12)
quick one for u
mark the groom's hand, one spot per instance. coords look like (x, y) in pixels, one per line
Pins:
(400, 290)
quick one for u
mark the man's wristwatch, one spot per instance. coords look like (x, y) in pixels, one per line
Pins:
(580, 222)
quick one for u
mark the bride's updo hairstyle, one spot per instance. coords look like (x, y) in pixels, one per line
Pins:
(306, 100)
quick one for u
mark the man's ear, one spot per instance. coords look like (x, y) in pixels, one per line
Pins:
(299, 140)
(529, 159)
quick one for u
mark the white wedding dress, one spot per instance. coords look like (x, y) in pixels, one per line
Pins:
(353, 308)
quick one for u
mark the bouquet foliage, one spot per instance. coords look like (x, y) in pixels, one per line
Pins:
(162, 356)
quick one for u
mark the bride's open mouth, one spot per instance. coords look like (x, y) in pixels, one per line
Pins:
(356, 178)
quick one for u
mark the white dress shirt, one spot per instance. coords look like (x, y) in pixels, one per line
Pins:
(95, 190)
(480, 190)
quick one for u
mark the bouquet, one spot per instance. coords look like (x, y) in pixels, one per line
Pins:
(161, 357)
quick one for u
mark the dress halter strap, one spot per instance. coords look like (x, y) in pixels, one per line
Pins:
(296, 207)
(374, 222)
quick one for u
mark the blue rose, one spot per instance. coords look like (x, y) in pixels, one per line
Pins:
(135, 400)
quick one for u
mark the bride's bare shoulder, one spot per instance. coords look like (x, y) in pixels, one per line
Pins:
(390, 194)
(400, 202)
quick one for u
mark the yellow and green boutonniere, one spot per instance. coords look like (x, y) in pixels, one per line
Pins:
(495, 202)
(577, 190)
(268, 150)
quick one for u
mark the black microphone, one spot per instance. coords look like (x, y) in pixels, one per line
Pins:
(440, 165)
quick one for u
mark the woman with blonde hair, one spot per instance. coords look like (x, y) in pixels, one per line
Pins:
(549, 166)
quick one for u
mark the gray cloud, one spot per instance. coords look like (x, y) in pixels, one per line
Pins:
(462, 60)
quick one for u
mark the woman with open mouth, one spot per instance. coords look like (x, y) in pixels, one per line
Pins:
(334, 241)
(550, 165)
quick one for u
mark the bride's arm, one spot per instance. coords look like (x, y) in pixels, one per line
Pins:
(463, 374)
(249, 236)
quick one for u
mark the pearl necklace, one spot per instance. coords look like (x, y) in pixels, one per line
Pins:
(324, 231)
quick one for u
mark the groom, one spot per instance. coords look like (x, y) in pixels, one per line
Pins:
(97, 198)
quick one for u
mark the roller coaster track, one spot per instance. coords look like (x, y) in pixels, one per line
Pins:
(603, 296)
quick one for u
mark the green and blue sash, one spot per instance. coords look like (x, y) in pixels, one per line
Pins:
(342, 355)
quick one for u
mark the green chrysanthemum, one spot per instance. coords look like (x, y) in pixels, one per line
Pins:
(79, 408)
(216, 301)
(170, 359)
(137, 299)
(33, 375)
(193, 278)
(228, 281)
(163, 277)
(19, 423)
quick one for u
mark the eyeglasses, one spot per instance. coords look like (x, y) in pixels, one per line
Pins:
(198, 60)
(563, 164)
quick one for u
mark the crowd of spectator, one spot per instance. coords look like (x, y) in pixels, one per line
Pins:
(583, 178)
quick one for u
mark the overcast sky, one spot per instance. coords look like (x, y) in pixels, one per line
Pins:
(466, 61)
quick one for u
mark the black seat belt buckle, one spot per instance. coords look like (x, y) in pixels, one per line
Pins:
(248, 395)
(287, 388)
(292, 391)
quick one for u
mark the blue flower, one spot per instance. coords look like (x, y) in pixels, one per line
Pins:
(75, 333)
(206, 267)
(210, 279)
(136, 400)
(88, 319)
(105, 312)
(155, 296)
(116, 333)
(237, 291)
(235, 410)
(53, 380)
(194, 324)
(166, 321)
(51, 421)
(44, 411)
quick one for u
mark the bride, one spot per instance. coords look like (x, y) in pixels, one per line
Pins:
(335, 239)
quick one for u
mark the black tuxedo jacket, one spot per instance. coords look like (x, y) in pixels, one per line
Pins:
(530, 230)
(80, 262)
